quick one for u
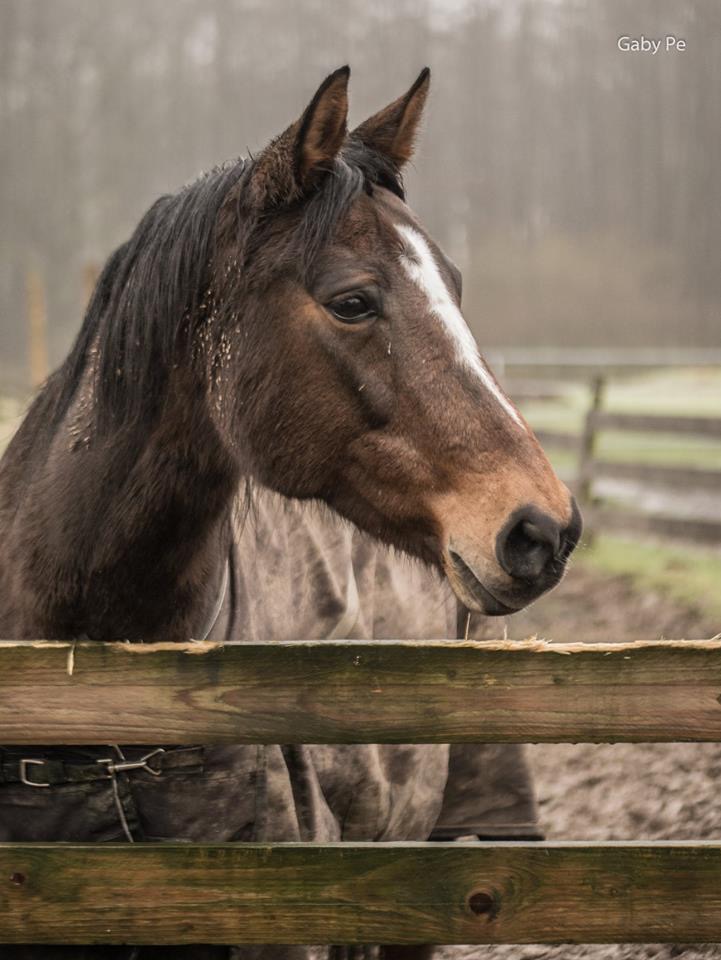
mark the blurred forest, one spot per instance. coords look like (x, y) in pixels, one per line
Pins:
(577, 186)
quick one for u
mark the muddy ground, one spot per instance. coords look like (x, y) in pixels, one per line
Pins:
(617, 791)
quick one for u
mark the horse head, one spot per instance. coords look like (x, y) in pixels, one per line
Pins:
(362, 385)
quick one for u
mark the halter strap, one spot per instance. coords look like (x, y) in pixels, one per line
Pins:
(218, 606)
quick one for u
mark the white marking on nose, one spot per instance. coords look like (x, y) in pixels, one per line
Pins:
(422, 268)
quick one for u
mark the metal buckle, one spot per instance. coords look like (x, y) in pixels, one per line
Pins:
(142, 764)
(23, 770)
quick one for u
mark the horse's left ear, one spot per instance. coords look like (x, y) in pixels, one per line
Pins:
(393, 130)
(299, 158)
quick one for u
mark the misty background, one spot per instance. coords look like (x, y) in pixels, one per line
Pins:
(575, 185)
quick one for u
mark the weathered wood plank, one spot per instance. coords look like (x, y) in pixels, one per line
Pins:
(601, 359)
(644, 423)
(356, 692)
(681, 528)
(694, 477)
(360, 893)
(587, 447)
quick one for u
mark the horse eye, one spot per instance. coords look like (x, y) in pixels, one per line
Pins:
(352, 309)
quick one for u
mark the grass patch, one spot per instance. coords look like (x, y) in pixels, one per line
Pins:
(686, 574)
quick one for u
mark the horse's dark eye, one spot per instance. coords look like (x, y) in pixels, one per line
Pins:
(352, 309)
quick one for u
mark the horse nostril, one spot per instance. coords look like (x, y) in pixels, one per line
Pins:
(529, 543)
(535, 534)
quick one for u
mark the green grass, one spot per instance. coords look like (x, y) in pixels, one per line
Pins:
(688, 575)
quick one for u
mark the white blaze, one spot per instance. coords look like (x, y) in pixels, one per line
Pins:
(423, 270)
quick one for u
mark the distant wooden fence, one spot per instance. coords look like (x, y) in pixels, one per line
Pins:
(590, 468)
(14, 381)
(341, 692)
(525, 361)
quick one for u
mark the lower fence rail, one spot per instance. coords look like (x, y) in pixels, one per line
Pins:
(360, 893)
(402, 893)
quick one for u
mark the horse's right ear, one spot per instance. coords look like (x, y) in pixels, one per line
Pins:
(297, 160)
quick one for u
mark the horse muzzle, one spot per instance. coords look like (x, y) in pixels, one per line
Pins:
(531, 551)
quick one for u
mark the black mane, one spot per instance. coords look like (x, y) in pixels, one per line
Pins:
(157, 285)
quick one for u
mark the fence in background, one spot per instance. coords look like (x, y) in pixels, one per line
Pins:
(591, 468)
(343, 692)
(590, 360)
(19, 382)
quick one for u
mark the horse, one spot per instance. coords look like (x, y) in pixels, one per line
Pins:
(273, 399)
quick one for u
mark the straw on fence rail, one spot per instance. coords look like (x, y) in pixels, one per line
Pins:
(359, 692)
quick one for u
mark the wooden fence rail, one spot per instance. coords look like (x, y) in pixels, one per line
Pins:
(342, 692)
(696, 478)
(359, 692)
(653, 423)
(600, 517)
(679, 528)
(360, 893)
(559, 439)
(591, 468)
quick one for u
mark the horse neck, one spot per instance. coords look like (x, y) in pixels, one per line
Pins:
(122, 535)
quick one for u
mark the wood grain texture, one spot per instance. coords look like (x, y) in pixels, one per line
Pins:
(360, 893)
(356, 692)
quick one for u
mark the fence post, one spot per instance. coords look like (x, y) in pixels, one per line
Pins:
(587, 449)
(36, 327)
(90, 278)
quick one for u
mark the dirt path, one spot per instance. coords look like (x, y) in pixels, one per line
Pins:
(616, 791)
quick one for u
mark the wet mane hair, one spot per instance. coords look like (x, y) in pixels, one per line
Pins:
(156, 289)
